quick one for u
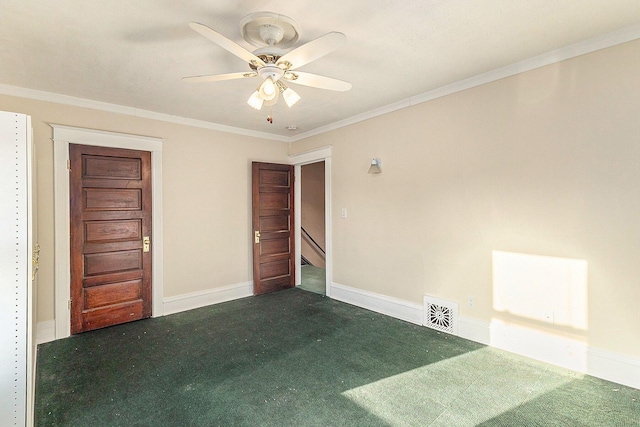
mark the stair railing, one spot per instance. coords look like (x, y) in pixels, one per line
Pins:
(314, 245)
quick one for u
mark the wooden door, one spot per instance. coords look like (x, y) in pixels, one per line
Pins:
(110, 192)
(273, 223)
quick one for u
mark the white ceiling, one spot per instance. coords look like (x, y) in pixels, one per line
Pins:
(134, 53)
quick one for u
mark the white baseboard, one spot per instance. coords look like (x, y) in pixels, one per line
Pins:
(193, 300)
(393, 307)
(45, 331)
(613, 367)
(549, 348)
(474, 330)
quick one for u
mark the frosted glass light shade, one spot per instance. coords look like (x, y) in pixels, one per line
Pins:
(268, 89)
(290, 97)
(255, 100)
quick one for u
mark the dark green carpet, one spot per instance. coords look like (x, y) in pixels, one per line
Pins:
(296, 358)
(313, 279)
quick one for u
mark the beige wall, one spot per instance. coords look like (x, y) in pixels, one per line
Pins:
(312, 211)
(206, 195)
(543, 163)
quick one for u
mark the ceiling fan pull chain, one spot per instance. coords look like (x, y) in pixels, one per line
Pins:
(270, 116)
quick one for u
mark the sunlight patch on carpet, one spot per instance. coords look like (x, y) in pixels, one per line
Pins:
(466, 386)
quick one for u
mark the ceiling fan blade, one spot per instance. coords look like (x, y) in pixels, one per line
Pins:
(227, 44)
(313, 50)
(218, 77)
(314, 80)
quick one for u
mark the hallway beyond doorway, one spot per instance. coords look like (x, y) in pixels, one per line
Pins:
(313, 279)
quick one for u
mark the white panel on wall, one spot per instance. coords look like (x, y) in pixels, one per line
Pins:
(14, 268)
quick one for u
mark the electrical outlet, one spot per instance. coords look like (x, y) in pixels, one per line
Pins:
(344, 212)
(470, 301)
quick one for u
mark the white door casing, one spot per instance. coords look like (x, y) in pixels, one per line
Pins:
(313, 156)
(62, 137)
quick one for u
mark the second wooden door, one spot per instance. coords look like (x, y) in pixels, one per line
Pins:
(273, 223)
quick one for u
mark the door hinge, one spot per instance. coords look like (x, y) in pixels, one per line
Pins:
(69, 165)
(70, 301)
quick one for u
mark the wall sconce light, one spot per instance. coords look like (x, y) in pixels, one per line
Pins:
(375, 166)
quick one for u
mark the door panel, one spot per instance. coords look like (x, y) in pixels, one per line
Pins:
(107, 168)
(103, 263)
(274, 201)
(110, 192)
(275, 269)
(274, 223)
(101, 296)
(101, 199)
(105, 231)
(273, 251)
(116, 314)
(274, 247)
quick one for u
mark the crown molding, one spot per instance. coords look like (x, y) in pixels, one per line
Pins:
(571, 51)
(581, 48)
(39, 95)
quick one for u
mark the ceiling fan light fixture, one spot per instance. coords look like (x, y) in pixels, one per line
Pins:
(273, 101)
(290, 97)
(268, 90)
(255, 100)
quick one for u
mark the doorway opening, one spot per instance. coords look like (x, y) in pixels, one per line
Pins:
(320, 155)
(313, 228)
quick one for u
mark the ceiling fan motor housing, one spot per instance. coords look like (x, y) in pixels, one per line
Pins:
(272, 71)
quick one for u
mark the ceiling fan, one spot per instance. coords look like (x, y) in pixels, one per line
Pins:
(272, 34)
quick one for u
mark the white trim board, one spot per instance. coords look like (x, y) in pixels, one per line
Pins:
(62, 137)
(390, 306)
(189, 301)
(45, 331)
(599, 363)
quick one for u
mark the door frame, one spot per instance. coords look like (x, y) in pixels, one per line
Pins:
(62, 137)
(298, 160)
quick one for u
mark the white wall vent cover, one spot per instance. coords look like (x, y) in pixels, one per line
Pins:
(441, 315)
